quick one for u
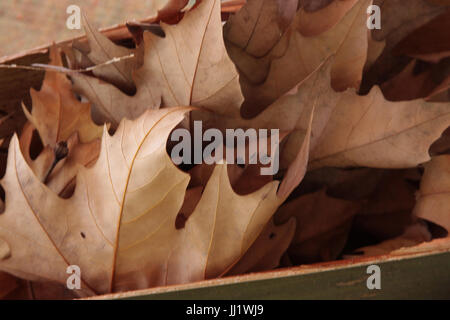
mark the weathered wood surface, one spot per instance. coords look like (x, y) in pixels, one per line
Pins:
(32, 23)
(421, 272)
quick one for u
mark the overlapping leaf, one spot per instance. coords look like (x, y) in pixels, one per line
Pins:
(175, 71)
(119, 226)
(263, 79)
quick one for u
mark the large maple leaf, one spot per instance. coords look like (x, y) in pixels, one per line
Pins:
(119, 226)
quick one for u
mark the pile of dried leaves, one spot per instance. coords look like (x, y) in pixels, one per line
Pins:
(365, 162)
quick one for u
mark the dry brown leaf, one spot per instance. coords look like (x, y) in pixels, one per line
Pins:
(442, 145)
(119, 226)
(61, 179)
(314, 22)
(28, 290)
(170, 11)
(302, 113)
(434, 195)
(388, 210)
(439, 2)
(191, 199)
(101, 50)
(413, 235)
(264, 80)
(122, 211)
(167, 10)
(56, 113)
(266, 251)
(370, 131)
(258, 27)
(374, 51)
(397, 23)
(55, 167)
(323, 224)
(314, 5)
(441, 93)
(351, 130)
(409, 84)
(353, 184)
(177, 72)
(429, 42)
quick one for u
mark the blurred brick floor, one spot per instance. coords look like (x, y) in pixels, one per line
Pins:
(26, 24)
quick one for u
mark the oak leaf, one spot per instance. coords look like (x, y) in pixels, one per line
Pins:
(428, 42)
(102, 50)
(314, 22)
(167, 9)
(175, 72)
(259, 25)
(264, 80)
(434, 194)
(397, 24)
(371, 131)
(322, 229)
(119, 226)
(56, 112)
(266, 252)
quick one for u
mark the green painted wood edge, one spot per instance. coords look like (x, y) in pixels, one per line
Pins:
(426, 277)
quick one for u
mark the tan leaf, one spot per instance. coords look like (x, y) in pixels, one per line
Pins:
(102, 50)
(314, 5)
(264, 80)
(303, 113)
(197, 72)
(119, 226)
(191, 199)
(200, 174)
(370, 131)
(434, 194)
(374, 50)
(258, 27)
(167, 9)
(56, 113)
(59, 173)
(61, 179)
(313, 22)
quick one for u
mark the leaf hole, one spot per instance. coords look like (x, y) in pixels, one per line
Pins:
(3, 199)
(36, 145)
(180, 221)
